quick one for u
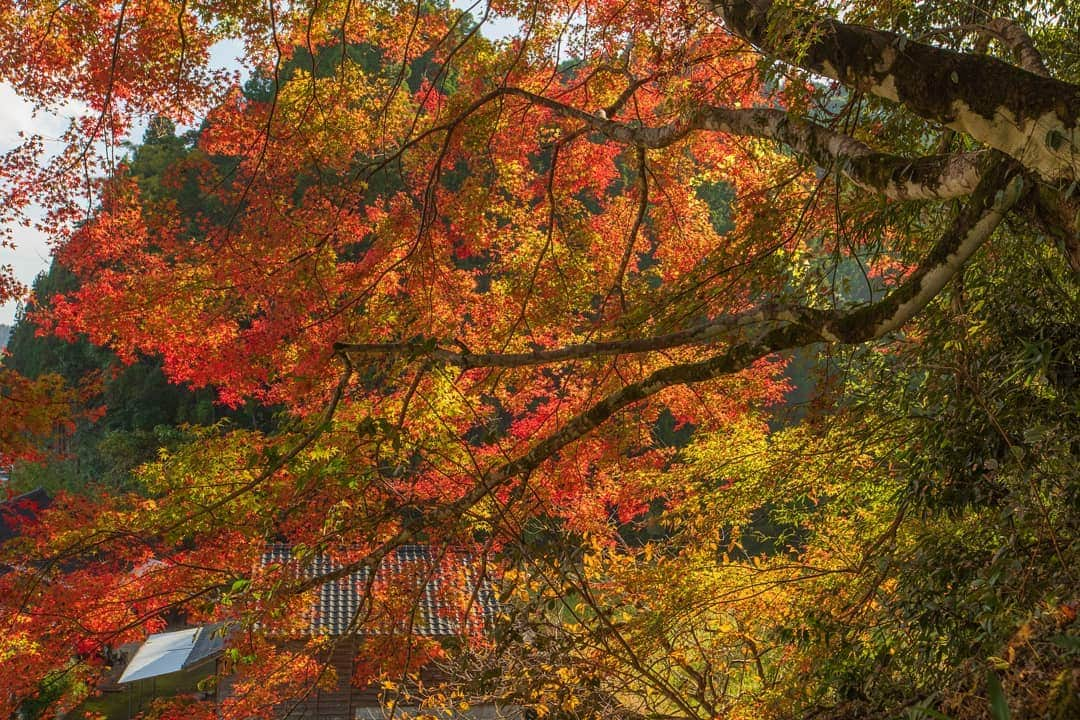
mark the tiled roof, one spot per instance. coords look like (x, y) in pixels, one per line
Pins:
(431, 590)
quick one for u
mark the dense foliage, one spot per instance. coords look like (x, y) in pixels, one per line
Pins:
(555, 299)
(129, 411)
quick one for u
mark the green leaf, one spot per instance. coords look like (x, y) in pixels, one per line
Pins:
(925, 713)
(999, 706)
(1066, 642)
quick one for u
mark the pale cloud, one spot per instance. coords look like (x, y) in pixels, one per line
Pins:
(18, 116)
(19, 120)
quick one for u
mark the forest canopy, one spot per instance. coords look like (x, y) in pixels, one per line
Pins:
(736, 341)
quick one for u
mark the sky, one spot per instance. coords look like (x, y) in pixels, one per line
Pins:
(32, 252)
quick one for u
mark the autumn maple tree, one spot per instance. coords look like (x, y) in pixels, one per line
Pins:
(738, 335)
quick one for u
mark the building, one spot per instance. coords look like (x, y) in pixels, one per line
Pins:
(417, 591)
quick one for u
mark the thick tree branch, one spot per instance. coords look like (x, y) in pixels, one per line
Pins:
(1013, 36)
(968, 232)
(702, 333)
(1000, 188)
(972, 227)
(934, 177)
(1032, 118)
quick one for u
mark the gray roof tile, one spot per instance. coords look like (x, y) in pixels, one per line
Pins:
(432, 590)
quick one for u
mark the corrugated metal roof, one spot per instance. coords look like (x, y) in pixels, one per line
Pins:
(415, 590)
(209, 641)
(170, 652)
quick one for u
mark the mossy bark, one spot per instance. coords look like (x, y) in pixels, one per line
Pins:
(1033, 118)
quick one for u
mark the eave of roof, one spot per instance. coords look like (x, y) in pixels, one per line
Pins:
(171, 652)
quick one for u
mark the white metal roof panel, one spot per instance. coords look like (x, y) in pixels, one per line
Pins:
(161, 654)
(170, 652)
